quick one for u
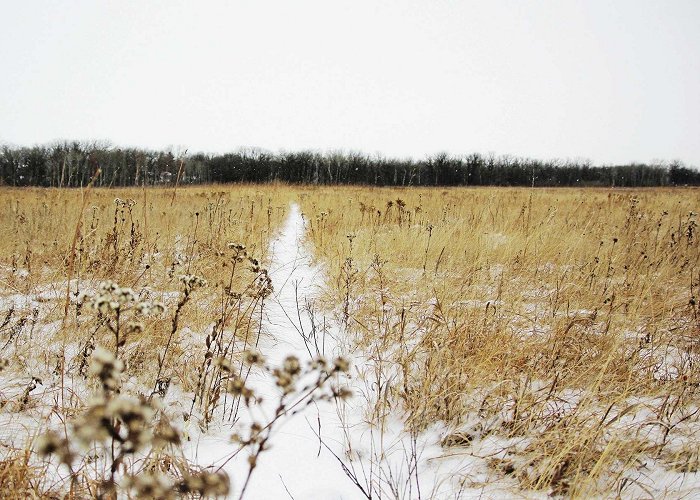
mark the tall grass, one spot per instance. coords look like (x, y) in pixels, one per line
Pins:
(560, 324)
(163, 311)
(552, 333)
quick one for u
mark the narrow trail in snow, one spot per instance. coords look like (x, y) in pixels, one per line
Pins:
(297, 465)
(385, 462)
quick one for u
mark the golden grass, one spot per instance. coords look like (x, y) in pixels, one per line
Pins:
(19, 479)
(144, 241)
(565, 317)
(61, 244)
(561, 323)
(118, 241)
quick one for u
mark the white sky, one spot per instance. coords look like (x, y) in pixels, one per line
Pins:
(613, 81)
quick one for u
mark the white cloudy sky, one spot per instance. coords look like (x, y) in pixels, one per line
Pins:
(613, 81)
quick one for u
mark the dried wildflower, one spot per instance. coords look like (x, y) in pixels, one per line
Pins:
(342, 393)
(283, 380)
(192, 281)
(263, 285)
(224, 363)
(101, 304)
(319, 363)
(143, 308)
(134, 327)
(251, 357)
(157, 308)
(149, 485)
(106, 367)
(255, 429)
(108, 286)
(125, 295)
(236, 246)
(291, 365)
(150, 308)
(206, 484)
(95, 424)
(53, 444)
(237, 387)
(165, 434)
(111, 297)
(136, 416)
(239, 252)
(341, 364)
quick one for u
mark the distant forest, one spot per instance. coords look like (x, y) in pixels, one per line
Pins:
(73, 164)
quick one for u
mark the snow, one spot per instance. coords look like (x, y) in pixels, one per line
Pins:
(383, 458)
(296, 465)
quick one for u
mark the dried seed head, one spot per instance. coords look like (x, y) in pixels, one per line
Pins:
(342, 392)
(283, 380)
(291, 365)
(223, 363)
(192, 281)
(251, 357)
(236, 386)
(206, 484)
(125, 295)
(149, 485)
(53, 444)
(134, 327)
(145, 308)
(106, 367)
(319, 363)
(255, 428)
(341, 364)
(165, 433)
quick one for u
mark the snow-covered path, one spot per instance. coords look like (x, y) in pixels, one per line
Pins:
(385, 461)
(296, 465)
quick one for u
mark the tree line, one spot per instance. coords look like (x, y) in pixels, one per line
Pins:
(73, 164)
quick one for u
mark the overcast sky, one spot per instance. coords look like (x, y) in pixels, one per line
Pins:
(611, 81)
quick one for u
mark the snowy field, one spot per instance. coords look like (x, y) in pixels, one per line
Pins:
(332, 372)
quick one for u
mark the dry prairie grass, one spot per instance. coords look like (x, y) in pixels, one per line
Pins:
(553, 332)
(110, 298)
(143, 239)
(560, 324)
